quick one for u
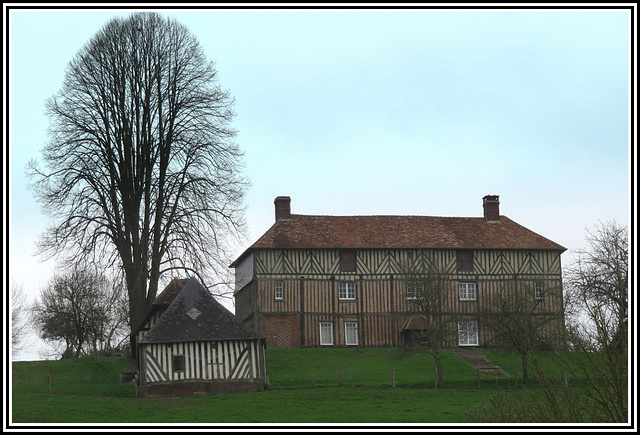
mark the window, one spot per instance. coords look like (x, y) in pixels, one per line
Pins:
(542, 332)
(279, 290)
(351, 333)
(468, 333)
(326, 333)
(467, 291)
(538, 290)
(414, 289)
(347, 291)
(464, 261)
(178, 363)
(347, 261)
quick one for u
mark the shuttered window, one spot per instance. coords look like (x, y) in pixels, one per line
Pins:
(347, 261)
(178, 363)
(464, 261)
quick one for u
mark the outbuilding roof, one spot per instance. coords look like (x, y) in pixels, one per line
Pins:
(195, 315)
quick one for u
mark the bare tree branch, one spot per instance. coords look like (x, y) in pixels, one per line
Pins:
(141, 167)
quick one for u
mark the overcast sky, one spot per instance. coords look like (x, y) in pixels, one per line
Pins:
(357, 112)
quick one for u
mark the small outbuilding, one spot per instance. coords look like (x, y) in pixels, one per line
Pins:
(196, 345)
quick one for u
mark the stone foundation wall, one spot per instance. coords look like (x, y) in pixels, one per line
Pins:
(188, 388)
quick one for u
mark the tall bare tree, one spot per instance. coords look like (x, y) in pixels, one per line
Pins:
(516, 318)
(597, 287)
(72, 308)
(112, 333)
(597, 296)
(427, 291)
(19, 321)
(141, 169)
(596, 301)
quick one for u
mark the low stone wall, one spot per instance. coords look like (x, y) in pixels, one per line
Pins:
(188, 388)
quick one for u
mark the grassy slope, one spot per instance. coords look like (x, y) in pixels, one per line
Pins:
(87, 390)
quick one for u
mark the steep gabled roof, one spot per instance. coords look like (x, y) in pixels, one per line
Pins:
(406, 232)
(170, 292)
(195, 315)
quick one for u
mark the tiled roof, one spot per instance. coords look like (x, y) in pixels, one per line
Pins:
(170, 292)
(195, 315)
(371, 232)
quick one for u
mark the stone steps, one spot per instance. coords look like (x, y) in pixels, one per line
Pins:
(480, 362)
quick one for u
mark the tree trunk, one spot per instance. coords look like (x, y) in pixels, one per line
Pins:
(139, 305)
(525, 367)
(439, 369)
(436, 356)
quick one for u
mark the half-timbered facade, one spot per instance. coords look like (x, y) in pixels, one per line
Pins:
(341, 280)
(190, 343)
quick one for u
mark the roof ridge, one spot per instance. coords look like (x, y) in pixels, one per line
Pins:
(388, 215)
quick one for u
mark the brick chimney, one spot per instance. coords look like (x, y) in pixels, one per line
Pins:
(283, 208)
(491, 205)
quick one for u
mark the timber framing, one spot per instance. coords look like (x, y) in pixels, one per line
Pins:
(304, 258)
(191, 344)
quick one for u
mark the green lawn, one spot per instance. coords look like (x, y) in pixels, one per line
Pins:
(86, 390)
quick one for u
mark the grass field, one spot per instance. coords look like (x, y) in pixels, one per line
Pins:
(351, 386)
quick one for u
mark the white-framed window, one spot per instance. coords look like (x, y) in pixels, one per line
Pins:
(347, 291)
(538, 290)
(278, 290)
(467, 333)
(351, 333)
(415, 289)
(326, 333)
(467, 291)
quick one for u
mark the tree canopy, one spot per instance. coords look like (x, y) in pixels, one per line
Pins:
(141, 169)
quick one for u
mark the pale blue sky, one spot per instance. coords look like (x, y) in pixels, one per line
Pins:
(417, 112)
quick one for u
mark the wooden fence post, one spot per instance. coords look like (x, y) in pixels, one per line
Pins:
(478, 374)
(340, 374)
(313, 377)
(352, 376)
(393, 377)
(564, 375)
